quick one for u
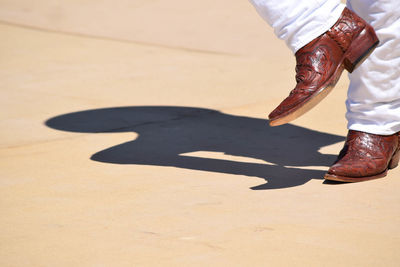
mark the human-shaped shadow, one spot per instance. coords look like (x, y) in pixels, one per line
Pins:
(166, 133)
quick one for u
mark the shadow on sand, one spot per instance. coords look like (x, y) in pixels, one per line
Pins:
(167, 132)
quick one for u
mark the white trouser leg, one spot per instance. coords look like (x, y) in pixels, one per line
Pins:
(299, 22)
(373, 103)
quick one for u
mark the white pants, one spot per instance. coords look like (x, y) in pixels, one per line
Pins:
(373, 100)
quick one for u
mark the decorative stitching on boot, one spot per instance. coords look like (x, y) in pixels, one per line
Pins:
(346, 29)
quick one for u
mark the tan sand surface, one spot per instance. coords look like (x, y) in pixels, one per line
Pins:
(134, 133)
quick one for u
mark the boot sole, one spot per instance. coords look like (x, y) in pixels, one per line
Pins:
(337, 178)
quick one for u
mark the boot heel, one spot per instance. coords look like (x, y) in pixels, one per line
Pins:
(394, 162)
(360, 48)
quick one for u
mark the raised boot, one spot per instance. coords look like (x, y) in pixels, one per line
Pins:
(365, 157)
(320, 63)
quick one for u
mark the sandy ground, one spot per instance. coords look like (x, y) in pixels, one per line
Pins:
(134, 133)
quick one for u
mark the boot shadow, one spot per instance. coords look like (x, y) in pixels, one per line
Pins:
(167, 134)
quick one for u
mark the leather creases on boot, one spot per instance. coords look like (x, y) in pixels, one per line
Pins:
(320, 63)
(365, 156)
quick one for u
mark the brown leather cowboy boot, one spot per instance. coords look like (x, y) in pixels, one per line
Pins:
(321, 62)
(365, 156)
